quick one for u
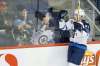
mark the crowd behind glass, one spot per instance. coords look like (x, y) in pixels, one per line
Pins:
(38, 27)
(35, 27)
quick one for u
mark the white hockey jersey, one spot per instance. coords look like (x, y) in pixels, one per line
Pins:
(79, 31)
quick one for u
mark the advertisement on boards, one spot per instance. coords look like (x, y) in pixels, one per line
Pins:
(46, 56)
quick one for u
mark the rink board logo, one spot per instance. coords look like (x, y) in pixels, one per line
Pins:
(91, 59)
(10, 59)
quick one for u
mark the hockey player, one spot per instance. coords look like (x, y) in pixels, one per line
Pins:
(80, 30)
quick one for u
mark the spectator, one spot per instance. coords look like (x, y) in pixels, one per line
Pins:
(22, 28)
(63, 27)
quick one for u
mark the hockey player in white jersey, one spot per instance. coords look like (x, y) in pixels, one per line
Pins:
(80, 30)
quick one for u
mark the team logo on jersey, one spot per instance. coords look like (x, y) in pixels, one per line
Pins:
(43, 39)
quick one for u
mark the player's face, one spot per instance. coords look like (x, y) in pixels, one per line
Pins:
(78, 17)
(24, 13)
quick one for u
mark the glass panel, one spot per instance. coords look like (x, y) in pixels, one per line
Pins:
(37, 21)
